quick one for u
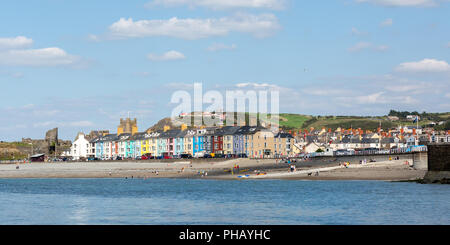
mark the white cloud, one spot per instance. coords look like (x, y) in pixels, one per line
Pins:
(257, 86)
(357, 32)
(387, 22)
(221, 46)
(261, 25)
(37, 57)
(170, 55)
(425, 65)
(15, 42)
(366, 45)
(325, 92)
(382, 48)
(221, 4)
(360, 46)
(402, 3)
(378, 98)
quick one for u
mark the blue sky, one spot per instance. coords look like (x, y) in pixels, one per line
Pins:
(81, 65)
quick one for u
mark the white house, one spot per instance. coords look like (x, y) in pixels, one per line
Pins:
(79, 147)
(312, 147)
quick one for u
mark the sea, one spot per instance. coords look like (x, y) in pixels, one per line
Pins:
(222, 202)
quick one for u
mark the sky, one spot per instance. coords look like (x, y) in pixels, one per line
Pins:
(83, 65)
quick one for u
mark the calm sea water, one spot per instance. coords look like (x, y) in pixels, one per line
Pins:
(184, 201)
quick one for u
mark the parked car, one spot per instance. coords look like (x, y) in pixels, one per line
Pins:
(187, 156)
(207, 156)
(199, 154)
(230, 155)
(168, 157)
(242, 155)
(118, 158)
(218, 155)
(146, 156)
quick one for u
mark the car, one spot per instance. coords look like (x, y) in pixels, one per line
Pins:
(207, 156)
(168, 157)
(242, 155)
(118, 158)
(218, 155)
(230, 156)
(186, 156)
(146, 156)
(199, 154)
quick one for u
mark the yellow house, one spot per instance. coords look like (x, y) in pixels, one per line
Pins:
(259, 143)
(149, 143)
(284, 145)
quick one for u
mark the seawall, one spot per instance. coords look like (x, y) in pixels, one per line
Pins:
(438, 164)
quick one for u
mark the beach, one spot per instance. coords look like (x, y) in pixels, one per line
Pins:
(394, 170)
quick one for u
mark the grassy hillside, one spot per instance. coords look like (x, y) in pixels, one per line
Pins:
(293, 121)
(289, 121)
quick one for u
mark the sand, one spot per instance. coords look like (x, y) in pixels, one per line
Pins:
(385, 170)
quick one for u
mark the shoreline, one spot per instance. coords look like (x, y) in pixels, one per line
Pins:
(395, 170)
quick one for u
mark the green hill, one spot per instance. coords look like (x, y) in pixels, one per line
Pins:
(290, 121)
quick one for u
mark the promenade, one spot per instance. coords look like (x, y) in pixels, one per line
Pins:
(270, 169)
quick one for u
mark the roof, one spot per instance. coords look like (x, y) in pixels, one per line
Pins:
(108, 137)
(248, 130)
(284, 135)
(227, 130)
(37, 155)
(170, 133)
(138, 136)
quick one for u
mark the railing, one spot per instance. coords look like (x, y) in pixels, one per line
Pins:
(402, 150)
(13, 161)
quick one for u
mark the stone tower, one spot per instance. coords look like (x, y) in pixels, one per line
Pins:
(127, 126)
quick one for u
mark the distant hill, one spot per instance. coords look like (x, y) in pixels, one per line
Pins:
(159, 126)
(290, 121)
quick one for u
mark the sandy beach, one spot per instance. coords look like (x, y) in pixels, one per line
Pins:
(394, 170)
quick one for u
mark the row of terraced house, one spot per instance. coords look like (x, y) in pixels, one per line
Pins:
(256, 142)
